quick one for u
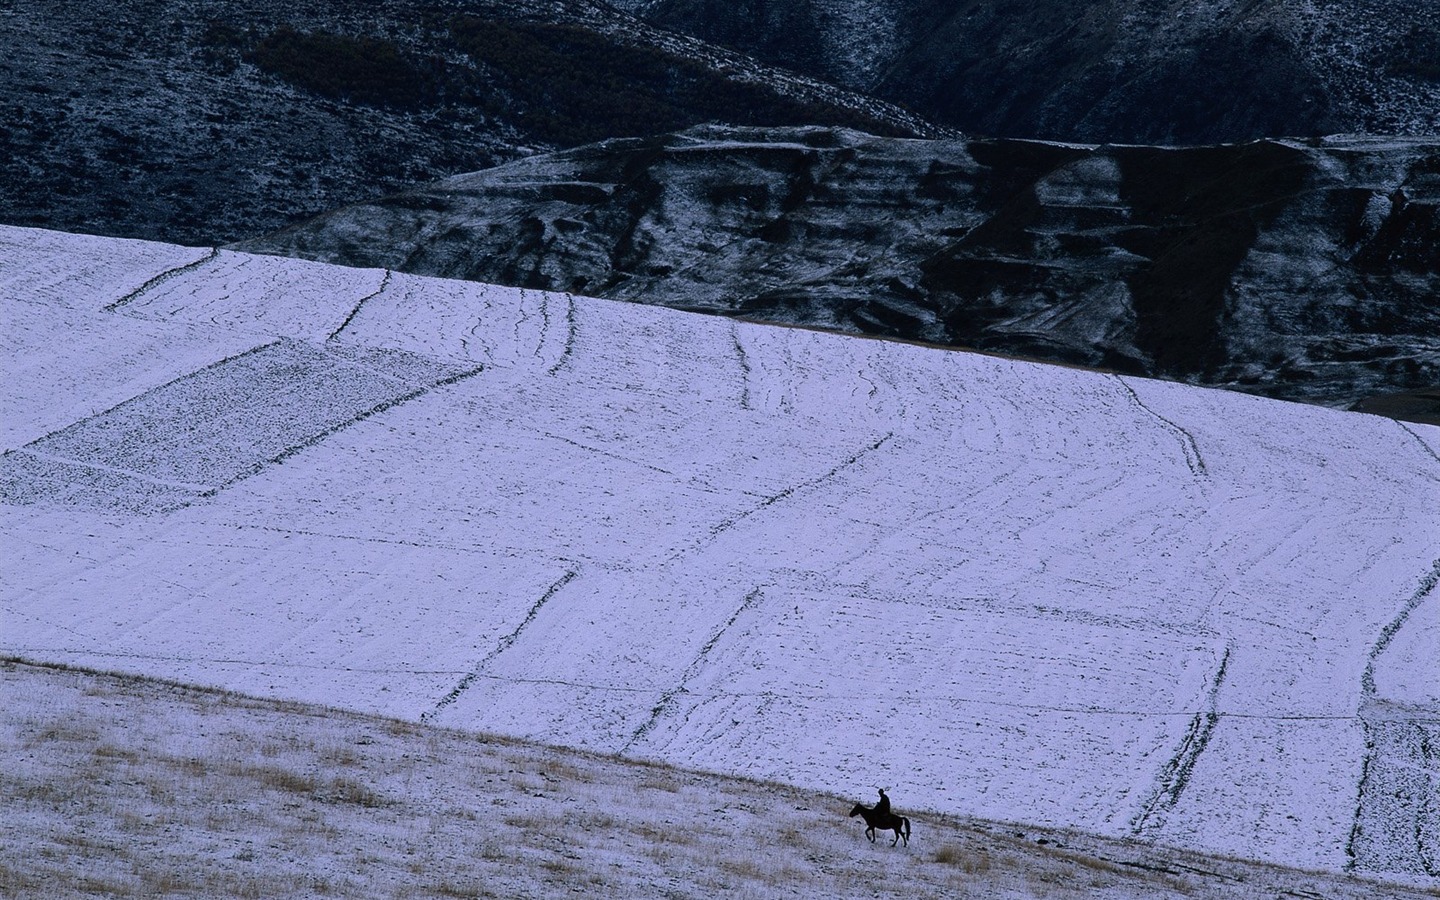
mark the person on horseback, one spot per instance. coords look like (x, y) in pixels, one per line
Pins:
(881, 817)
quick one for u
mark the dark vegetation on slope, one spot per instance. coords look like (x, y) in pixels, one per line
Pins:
(359, 69)
(1155, 71)
(198, 121)
(562, 84)
(570, 85)
(1417, 54)
(1301, 271)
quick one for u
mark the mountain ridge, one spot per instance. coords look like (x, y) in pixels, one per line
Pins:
(1158, 72)
(1297, 270)
(201, 122)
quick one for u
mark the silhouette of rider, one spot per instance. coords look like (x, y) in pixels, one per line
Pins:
(883, 806)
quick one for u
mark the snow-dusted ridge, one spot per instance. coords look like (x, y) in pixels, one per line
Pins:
(998, 588)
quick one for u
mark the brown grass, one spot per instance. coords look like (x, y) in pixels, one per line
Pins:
(341, 755)
(665, 782)
(971, 862)
(449, 888)
(63, 731)
(273, 804)
(526, 821)
(348, 790)
(281, 779)
(14, 883)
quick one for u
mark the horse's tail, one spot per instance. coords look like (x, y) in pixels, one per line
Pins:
(906, 822)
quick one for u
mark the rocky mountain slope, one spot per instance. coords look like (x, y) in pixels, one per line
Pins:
(1297, 270)
(201, 121)
(1159, 71)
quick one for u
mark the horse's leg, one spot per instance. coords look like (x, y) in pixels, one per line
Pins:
(870, 833)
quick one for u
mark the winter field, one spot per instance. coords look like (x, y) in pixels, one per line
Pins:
(1002, 590)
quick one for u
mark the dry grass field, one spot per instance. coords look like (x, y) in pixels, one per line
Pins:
(124, 787)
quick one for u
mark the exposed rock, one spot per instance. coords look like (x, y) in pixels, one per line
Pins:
(1298, 270)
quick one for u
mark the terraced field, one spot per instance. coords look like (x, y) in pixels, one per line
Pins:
(1000, 589)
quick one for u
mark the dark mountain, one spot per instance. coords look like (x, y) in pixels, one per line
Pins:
(1302, 270)
(1154, 71)
(202, 121)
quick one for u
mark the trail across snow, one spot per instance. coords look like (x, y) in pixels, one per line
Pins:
(997, 588)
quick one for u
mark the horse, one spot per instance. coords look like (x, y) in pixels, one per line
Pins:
(886, 821)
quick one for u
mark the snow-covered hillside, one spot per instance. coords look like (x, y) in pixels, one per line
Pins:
(997, 588)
